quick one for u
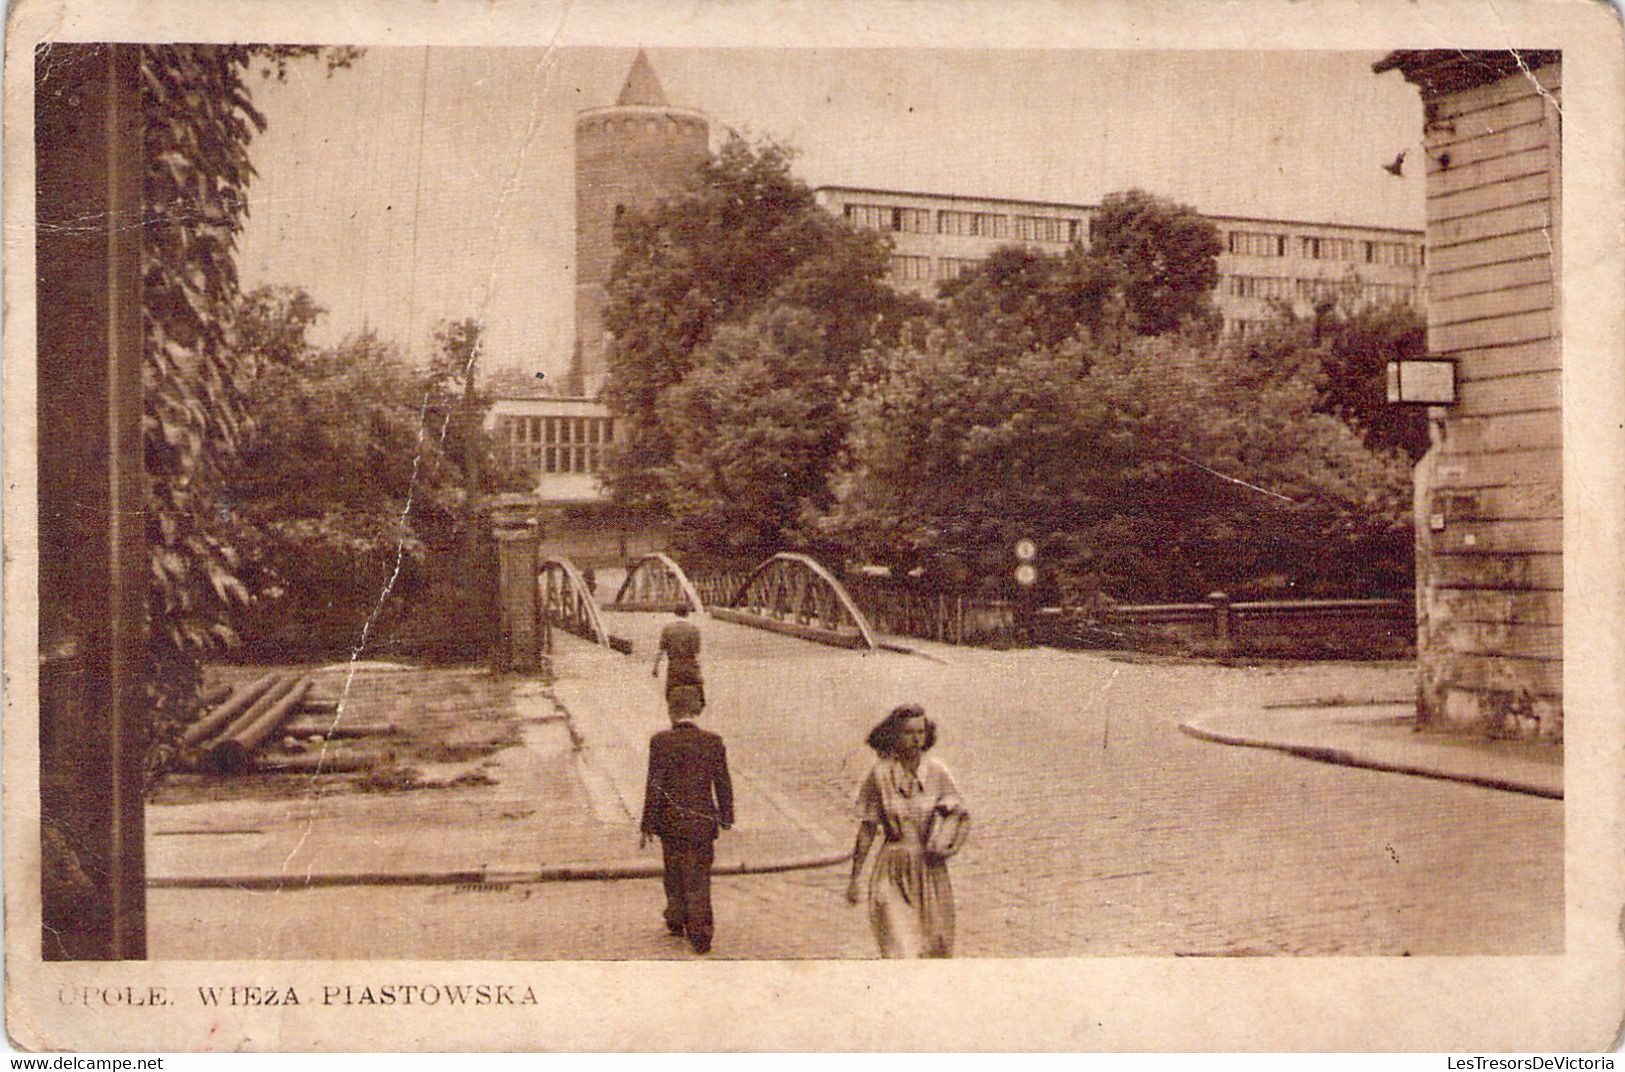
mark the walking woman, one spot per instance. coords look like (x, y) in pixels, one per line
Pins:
(909, 799)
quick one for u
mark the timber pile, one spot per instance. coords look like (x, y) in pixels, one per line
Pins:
(229, 735)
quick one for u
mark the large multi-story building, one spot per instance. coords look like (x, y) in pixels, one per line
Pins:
(936, 237)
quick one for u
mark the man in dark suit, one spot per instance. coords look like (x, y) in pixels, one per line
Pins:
(688, 798)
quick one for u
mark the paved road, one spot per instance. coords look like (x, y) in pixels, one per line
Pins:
(1099, 828)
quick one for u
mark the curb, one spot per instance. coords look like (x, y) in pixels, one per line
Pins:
(480, 877)
(1344, 758)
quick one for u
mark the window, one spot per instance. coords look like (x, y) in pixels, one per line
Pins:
(981, 224)
(1401, 253)
(911, 220)
(1258, 286)
(1257, 244)
(1388, 294)
(1327, 249)
(1043, 229)
(888, 218)
(910, 269)
(954, 267)
(868, 217)
(555, 444)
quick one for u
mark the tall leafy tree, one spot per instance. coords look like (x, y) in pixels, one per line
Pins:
(1157, 257)
(745, 240)
(1358, 346)
(756, 430)
(1149, 269)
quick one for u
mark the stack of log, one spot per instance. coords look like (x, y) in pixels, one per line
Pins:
(238, 722)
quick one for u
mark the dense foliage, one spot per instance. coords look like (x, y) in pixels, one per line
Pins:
(1149, 268)
(1157, 257)
(356, 488)
(1358, 344)
(1164, 468)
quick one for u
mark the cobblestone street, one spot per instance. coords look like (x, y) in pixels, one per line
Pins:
(1099, 828)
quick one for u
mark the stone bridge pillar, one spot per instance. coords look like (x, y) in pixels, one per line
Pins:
(522, 639)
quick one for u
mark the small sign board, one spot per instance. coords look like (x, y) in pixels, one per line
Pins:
(1422, 382)
(1026, 574)
(1026, 550)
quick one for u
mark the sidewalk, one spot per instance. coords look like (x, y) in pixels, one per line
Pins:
(1380, 736)
(562, 804)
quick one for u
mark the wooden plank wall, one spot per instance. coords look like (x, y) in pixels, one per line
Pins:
(1490, 544)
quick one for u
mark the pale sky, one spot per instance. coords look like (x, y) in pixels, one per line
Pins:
(431, 183)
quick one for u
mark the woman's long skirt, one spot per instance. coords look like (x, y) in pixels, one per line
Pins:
(911, 903)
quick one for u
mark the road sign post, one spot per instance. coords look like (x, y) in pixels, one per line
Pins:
(1026, 577)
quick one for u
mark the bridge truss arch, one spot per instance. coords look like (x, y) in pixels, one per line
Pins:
(567, 603)
(793, 593)
(656, 582)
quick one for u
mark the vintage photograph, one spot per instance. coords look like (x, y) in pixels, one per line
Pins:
(637, 500)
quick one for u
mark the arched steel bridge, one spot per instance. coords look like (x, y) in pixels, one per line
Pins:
(657, 582)
(790, 593)
(567, 603)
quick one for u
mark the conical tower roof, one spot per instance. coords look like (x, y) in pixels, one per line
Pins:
(642, 87)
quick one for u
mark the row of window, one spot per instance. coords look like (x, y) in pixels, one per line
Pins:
(1260, 286)
(1388, 293)
(957, 222)
(524, 430)
(954, 267)
(1067, 229)
(1278, 288)
(889, 218)
(1275, 244)
(909, 268)
(1244, 327)
(980, 224)
(1048, 229)
(542, 459)
(650, 125)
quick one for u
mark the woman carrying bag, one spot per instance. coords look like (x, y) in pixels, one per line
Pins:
(910, 801)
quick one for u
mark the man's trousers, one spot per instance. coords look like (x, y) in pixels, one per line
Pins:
(688, 888)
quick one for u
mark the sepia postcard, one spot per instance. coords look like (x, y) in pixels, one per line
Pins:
(604, 526)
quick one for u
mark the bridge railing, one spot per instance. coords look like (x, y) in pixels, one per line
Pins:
(1321, 628)
(946, 617)
(656, 582)
(717, 586)
(1309, 628)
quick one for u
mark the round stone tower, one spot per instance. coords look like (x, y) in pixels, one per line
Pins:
(628, 155)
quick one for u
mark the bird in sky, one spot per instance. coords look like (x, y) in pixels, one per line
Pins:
(1398, 166)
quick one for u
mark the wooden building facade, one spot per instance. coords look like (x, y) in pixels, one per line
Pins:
(1489, 494)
